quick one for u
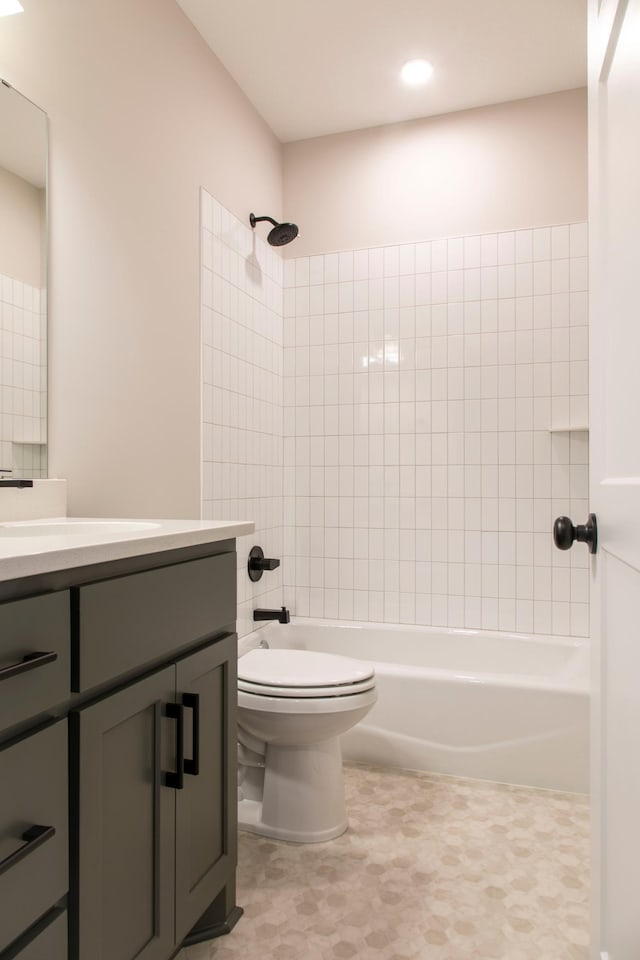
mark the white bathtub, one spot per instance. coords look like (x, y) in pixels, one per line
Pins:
(494, 706)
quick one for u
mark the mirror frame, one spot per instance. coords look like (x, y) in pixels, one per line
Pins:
(24, 435)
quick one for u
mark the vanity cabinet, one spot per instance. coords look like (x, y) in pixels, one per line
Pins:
(117, 746)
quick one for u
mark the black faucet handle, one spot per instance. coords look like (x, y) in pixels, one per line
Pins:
(285, 616)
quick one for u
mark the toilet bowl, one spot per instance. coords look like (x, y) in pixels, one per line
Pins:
(292, 707)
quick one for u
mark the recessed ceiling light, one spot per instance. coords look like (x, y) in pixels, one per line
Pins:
(7, 7)
(416, 72)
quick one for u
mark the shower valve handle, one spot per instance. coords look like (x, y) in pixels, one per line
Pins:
(258, 563)
(565, 533)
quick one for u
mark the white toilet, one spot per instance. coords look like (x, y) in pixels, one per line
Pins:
(292, 707)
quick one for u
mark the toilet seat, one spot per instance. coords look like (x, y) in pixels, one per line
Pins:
(306, 693)
(303, 674)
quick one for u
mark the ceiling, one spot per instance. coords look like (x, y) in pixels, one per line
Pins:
(315, 68)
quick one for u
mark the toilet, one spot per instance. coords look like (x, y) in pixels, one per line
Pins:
(292, 707)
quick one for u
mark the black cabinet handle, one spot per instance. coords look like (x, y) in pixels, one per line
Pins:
(192, 702)
(29, 662)
(565, 534)
(157, 827)
(33, 838)
(175, 711)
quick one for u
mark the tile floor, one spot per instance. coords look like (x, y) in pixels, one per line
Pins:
(431, 868)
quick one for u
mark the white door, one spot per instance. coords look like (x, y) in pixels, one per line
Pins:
(614, 177)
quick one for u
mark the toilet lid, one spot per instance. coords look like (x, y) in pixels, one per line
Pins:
(303, 670)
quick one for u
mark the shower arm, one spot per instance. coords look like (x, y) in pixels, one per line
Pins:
(253, 220)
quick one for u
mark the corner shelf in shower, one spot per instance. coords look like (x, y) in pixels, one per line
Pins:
(569, 428)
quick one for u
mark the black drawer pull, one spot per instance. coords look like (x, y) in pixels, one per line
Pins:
(28, 662)
(176, 780)
(34, 837)
(192, 700)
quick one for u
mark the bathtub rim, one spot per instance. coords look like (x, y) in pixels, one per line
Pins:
(576, 681)
(543, 638)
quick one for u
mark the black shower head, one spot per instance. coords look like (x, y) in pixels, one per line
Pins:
(282, 232)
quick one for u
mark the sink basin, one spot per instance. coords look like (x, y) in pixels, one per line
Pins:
(71, 528)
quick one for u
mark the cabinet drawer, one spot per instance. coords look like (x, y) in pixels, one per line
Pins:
(34, 656)
(131, 621)
(33, 829)
(49, 944)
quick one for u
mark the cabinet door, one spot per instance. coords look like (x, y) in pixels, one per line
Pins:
(122, 902)
(206, 810)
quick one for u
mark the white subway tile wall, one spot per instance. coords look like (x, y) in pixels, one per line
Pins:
(421, 476)
(242, 356)
(23, 379)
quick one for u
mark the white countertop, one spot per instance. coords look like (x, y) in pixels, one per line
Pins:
(24, 555)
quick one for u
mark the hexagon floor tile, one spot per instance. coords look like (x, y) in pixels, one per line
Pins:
(431, 868)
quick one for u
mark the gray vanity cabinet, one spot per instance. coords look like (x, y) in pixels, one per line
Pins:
(117, 741)
(156, 825)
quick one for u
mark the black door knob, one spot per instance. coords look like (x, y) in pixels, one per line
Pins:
(564, 533)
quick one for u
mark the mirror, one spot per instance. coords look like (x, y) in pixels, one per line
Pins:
(23, 291)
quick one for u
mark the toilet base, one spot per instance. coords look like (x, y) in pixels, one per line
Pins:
(303, 795)
(250, 820)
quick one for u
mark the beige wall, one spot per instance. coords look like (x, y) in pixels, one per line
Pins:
(140, 115)
(21, 212)
(477, 171)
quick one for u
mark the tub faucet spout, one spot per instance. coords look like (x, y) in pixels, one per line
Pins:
(282, 615)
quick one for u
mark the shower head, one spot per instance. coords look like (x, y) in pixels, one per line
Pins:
(282, 232)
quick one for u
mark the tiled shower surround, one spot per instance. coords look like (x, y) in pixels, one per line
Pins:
(23, 386)
(242, 355)
(421, 476)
